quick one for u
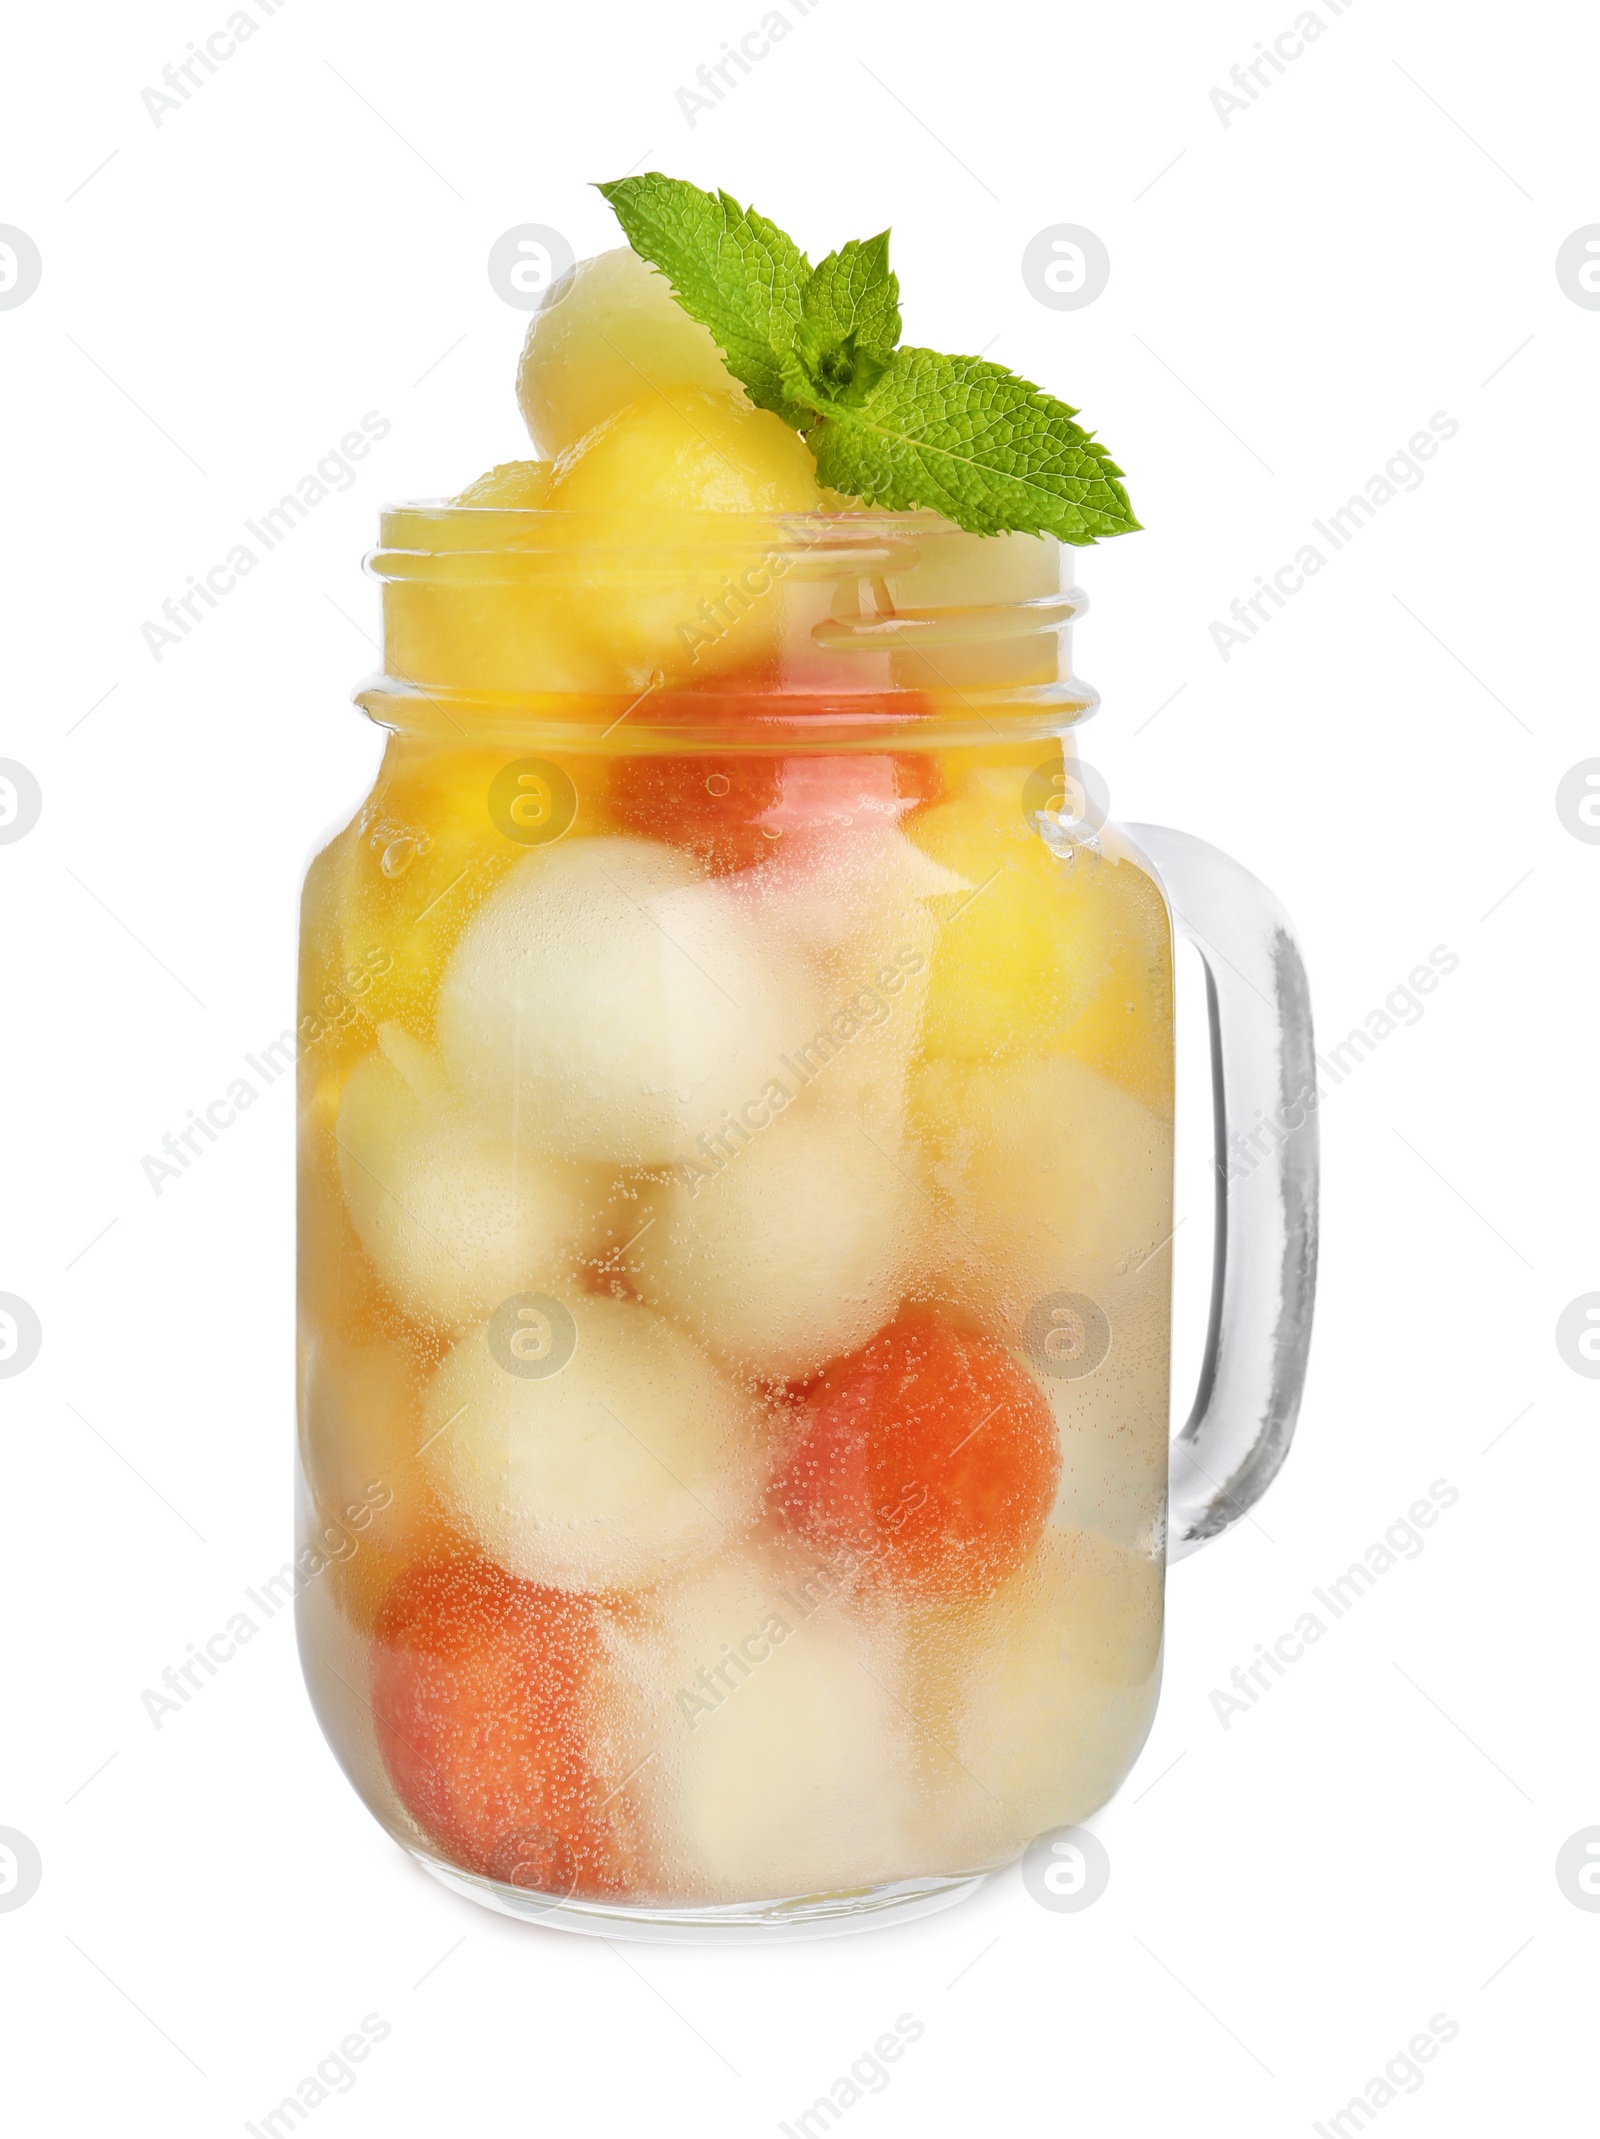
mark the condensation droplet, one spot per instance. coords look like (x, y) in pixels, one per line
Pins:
(400, 853)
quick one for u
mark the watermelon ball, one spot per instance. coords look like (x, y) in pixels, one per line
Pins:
(479, 1694)
(928, 1458)
(731, 810)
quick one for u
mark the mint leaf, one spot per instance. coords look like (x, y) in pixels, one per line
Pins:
(850, 322)
(902, 428)
(821, 369)
(854, 292)
(739, 275)
(973, 441)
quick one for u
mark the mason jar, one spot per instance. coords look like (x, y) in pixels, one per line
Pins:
(735, 1142)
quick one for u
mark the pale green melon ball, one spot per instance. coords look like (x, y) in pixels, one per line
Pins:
(608, 331)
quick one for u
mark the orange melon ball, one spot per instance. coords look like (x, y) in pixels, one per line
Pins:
(928, 1456)
(479, 1686)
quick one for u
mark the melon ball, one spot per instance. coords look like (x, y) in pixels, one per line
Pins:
(371, 1507)
(929, 1455)
(332, 1020)
(788, 1249)
(1113, 1427)
(1034, 1704)
(667, 598)
(1007, 581)
(683, 450)
(1050, 1179)
(687, 452)
(455, 1212)
(1028, 944)
(618, 1001)
(360, 1429)
(513, 485)
(854, 899)
(609, 331)
(731, 809)
(337, 1287)
(770, 1760)
(957, 570)
(632, 1457)
(420, 856)
(1125, 1030)
(854, 896)
(479, 1691)
(473, 634)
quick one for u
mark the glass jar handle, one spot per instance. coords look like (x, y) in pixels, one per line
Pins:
(1264, 1079)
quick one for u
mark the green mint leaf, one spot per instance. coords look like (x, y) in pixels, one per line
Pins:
(742, 277)
(902, 428)
(822, 369)
(971, 440)
(850, 322)
(854, 292)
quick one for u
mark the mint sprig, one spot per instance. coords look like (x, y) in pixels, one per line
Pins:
(894, 426)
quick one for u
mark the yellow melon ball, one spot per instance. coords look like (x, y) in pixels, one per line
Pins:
(609, 330)
(1125, 1030)
(662, 597)
(422, 856)
(769, 1757)
(513, 485)
(475, 600)
(1114, 929)
(1033, 1705)
(684, 450)
(338, 1286)
(588, 1444)
(512, 635)
(1049, 1179)
(333, 1025)
(1028, 943)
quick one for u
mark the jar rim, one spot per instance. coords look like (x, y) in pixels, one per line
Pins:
(422, 527)
(861, 618)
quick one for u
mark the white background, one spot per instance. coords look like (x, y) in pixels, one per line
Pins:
(1291, 297)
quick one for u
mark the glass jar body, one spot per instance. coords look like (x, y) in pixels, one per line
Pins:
(735, 1189)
